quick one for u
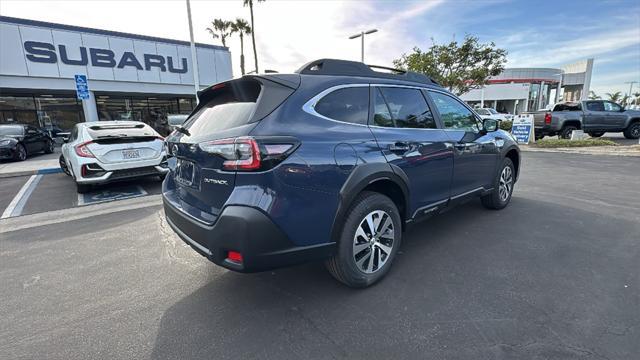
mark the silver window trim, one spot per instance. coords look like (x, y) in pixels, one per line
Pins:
(309, 106)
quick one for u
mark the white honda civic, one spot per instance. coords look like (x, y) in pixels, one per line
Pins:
(104, 151)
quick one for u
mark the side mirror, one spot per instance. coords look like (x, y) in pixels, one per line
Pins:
(489, 125)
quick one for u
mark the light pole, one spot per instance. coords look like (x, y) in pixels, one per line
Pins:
(630, 89)
(361, 36)
(194, 57)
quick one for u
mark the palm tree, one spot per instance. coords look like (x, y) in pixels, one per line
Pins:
(637, 96)
(624, 100)
(241, 26)
(253, 27)
(594, 96)
(220, 29)
(615, 97)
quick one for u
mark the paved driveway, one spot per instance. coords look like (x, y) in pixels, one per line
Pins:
(556, 275)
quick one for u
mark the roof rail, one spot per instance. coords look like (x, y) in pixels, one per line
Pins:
(355, 68)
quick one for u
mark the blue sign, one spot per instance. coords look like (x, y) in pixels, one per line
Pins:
(522, 133)
(82, 87)
(522, 128)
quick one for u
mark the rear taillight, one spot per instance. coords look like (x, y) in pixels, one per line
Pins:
(83, 151)
(547, 118)
(249, 154)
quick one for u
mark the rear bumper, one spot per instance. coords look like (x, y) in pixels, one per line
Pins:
(123, 171)
(545, 130)
(246, 230)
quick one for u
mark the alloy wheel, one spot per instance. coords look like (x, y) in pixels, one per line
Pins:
(506, 183)
(22, 153)
(635, 130)
(373, 241)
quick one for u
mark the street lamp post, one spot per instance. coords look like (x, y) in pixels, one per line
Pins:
(361, 36)
(194, 57)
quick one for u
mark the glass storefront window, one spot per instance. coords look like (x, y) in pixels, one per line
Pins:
(56, 113)
(150, 110)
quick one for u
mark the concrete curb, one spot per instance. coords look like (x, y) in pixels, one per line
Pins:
(30, 172)
(595, 150)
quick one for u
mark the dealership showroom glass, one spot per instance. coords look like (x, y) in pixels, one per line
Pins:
(131, 77)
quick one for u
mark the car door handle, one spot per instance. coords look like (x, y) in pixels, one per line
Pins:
(399, 146)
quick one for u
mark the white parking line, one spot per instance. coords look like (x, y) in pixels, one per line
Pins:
(17, 204)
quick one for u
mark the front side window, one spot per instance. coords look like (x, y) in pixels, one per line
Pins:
(454, 115)
(349, 104)
(402, 108)
(483, 112)
(609, 106)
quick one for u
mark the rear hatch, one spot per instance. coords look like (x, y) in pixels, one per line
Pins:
(124, 142)
(203, 176)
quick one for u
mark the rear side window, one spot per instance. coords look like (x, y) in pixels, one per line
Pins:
(595, 106)
(228, 106)
(402, 108)
(347, 104)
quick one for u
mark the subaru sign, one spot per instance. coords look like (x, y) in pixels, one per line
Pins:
(114, 61)
(43, 52)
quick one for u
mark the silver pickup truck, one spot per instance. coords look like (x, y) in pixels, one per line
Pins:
(594, 117)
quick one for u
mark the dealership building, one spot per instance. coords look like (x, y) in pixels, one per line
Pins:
(130, 77)
(517, 90)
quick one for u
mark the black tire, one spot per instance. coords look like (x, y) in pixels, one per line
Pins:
(565, 133)
(596, 134)
(20, 154)
(496, 200)
(49, 147)
(63, 165)
(83, 188)
(632, 131)
(343, 266)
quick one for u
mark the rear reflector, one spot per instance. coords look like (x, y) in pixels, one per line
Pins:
(234, 256)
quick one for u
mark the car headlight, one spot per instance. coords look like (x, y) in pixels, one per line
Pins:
(4, 142)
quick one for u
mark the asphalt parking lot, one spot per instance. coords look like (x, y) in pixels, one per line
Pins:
(556, 275)
(49, 192)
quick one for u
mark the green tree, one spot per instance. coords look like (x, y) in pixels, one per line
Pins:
(253, 28)
(458, 67)
(594, 96)
(241, 27)
(636, 95)
(220, 29)
(615, 97)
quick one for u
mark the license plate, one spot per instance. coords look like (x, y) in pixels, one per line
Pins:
(185, 172)
(130, 154)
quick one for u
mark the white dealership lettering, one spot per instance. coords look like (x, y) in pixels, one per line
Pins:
(43, 52)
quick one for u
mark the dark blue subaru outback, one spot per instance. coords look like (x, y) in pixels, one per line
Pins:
(329, 163)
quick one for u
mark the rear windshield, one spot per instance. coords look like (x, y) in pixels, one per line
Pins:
(11, 130)
(228, 106)
(568, 107)
(105, 131)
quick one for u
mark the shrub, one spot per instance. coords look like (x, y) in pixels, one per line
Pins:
(554, 143)
(506, 125)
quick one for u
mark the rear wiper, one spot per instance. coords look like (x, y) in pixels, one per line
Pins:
(180, 129)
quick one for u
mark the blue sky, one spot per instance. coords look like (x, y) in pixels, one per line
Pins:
(290, 33)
